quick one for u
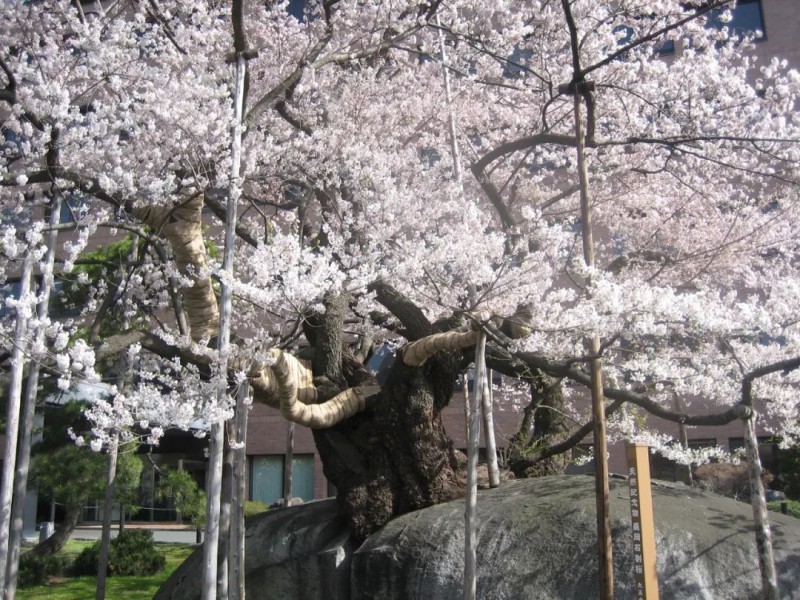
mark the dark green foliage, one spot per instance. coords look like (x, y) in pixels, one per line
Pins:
(186, 497)
(789, 467)
(86, 562)
(131, 553)
(37, 570)
(97, 264)
(74, 475)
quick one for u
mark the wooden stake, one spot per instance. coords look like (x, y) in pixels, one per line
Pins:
(644, 531)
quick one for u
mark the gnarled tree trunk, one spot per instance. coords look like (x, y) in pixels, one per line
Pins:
(395, 457)
(542, 424)
(56, 542)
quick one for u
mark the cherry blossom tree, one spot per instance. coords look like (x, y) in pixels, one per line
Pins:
(354, 231)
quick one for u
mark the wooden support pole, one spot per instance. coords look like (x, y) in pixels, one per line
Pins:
(642, 523)
(236, 588)
(27, 416)
(208, 589)
(108, 505)
(471, 500)
(488, 428)
(604, 551)
(288, 464)
(766, 557)
(18, 360)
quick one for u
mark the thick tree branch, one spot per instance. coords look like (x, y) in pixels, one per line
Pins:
(289, 82)
(214, 202)
(784, 366)
(560, 369)
(414, 321)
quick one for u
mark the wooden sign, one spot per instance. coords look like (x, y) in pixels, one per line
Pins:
(644, 538)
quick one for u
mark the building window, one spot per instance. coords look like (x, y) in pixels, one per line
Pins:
(747, 18)
(666, 49)
(702, 443)
(266, 477)
(73, 209)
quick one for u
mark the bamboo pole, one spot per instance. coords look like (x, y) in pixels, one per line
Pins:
(236, 588)
(13, 413)
(488, 429)
(226, 493)
(598, 407)
(471, 501)
(288, 464)
(451, 120)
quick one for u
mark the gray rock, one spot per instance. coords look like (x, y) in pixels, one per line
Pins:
(536, 539)
(296, 552)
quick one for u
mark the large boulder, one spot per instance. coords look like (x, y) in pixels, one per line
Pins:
(536, 539)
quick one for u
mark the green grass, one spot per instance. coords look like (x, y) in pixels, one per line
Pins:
(117, 588)
(794, 507)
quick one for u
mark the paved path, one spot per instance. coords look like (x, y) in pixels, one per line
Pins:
(169, 533)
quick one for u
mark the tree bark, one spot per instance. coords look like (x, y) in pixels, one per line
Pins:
(394, 457)
(542, 424)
